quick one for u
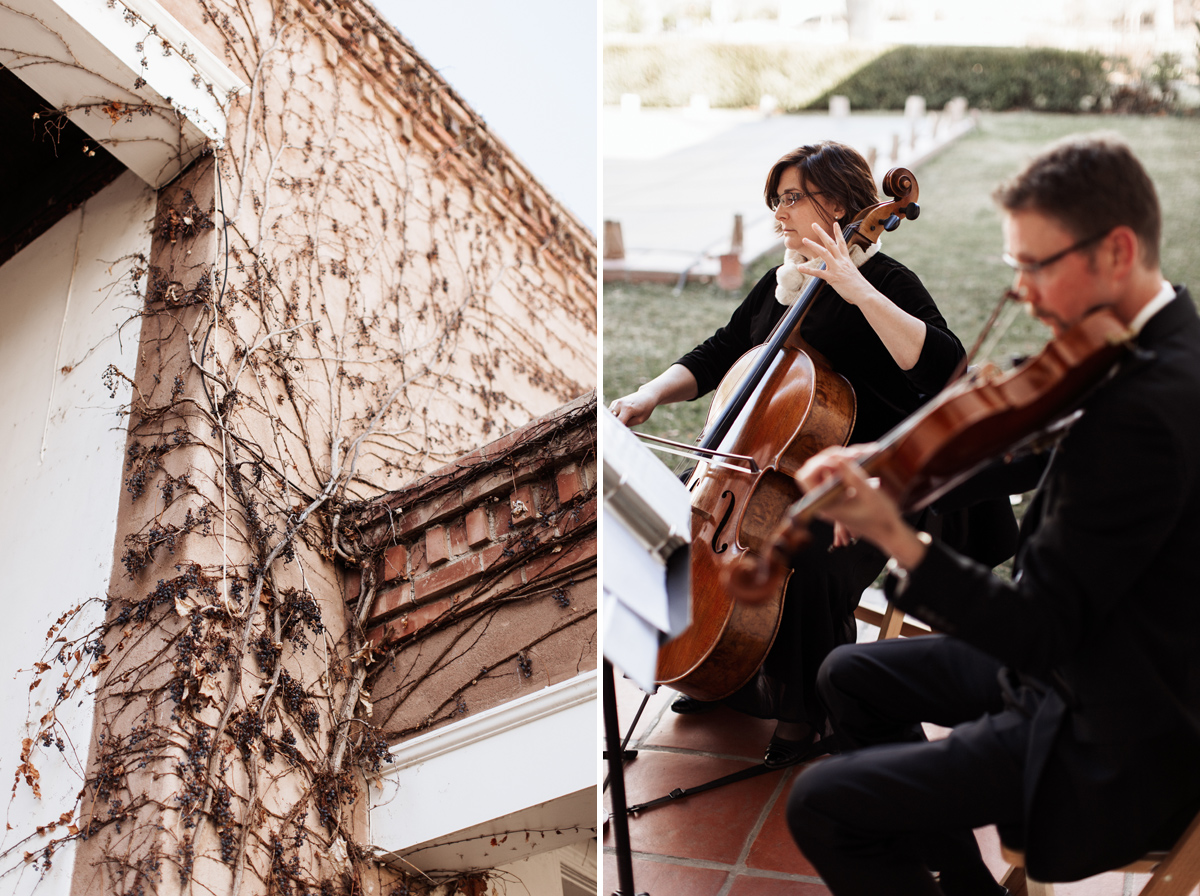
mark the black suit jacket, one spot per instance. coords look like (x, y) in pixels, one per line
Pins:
(1104, 611)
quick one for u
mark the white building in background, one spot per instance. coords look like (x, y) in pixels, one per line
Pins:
(1131, 27)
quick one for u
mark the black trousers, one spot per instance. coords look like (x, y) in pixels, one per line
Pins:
(881, 817)
(818, 616)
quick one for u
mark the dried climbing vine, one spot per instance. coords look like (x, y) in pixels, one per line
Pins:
(330, 308)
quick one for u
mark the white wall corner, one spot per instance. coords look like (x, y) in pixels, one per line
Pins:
(134, 79)
(63, 445)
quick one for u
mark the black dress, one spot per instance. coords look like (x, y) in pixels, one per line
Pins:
(824, 589)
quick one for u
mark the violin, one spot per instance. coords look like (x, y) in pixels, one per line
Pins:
(779, 405)
(966, 426)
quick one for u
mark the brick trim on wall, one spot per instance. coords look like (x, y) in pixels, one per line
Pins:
(514, 519)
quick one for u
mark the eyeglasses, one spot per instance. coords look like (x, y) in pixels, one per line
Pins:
(790, 198)
(1032, 267)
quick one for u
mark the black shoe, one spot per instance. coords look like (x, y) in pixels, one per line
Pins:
(782, 753)
(690, 706)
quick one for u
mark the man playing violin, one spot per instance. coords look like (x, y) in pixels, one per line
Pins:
(1073, 690)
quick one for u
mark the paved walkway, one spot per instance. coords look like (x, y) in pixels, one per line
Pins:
(674, 179)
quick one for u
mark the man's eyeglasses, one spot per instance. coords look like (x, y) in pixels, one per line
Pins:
(1032, 267)
(790, 198)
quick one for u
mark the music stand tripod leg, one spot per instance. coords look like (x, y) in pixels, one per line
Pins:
(626, 754)
(620, 819)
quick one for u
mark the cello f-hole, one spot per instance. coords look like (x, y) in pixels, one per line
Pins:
(721, 525)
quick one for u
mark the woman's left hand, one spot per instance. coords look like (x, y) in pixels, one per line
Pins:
(902, 334)
(840, 270)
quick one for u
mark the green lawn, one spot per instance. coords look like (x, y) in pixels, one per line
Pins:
(954, 247)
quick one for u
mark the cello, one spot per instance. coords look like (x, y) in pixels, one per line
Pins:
(777, 406)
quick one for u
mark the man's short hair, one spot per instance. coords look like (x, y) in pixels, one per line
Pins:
(1089, 184)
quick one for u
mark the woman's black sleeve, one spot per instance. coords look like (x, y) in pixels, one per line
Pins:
(711, 359)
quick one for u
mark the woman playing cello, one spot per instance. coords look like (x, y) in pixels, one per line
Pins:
(879, 328)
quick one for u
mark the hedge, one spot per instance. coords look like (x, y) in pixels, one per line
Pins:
(994, 78)
(799, 76)
(732, 76)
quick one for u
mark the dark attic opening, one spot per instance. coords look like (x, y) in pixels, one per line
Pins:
(50, 165)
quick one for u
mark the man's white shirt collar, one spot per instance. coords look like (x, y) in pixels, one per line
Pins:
(1151, 308)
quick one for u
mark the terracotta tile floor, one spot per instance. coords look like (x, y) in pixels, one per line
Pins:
(731, 841)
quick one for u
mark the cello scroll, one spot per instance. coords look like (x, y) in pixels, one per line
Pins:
(873, 222)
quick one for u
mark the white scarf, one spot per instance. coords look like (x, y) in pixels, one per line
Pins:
(793, 275)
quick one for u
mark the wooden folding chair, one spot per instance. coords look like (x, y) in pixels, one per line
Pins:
(1173, 873)
(891, 622)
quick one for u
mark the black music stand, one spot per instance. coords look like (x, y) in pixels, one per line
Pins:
(646, 524)
(616, 778)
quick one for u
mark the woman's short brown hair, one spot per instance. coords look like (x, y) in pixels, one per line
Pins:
(834, 169)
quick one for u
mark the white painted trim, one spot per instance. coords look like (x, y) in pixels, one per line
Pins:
(489, 723)
(458, 797)
(203, 61)
(578, 864)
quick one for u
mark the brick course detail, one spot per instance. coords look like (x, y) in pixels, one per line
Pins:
(436, 549)
(512, 512)
(477, 527)
(490, 565)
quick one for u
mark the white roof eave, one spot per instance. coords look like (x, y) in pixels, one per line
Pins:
(128, 73)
